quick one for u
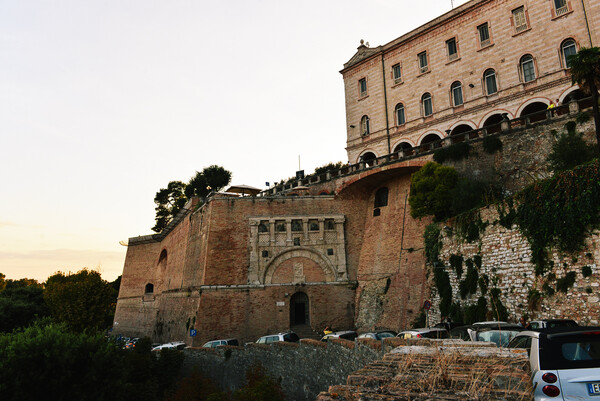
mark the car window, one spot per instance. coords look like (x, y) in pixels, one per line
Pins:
(435, 334)
(261, 340)
(572, 352)
(291, 337)
(534, 325)
(385, 335)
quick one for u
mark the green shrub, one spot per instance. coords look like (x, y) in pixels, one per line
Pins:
(499, 311)
(484, 282)
(328, 167)
(560, 211)
(492, 144)
(431, 191)
(533, 299)
(477, 260)
(442, 283)
(564, 283)
(570, 150)
(586, 271)
(455, 152)
(476, 312)
(433, 245)
(548, 289)
(456, 261)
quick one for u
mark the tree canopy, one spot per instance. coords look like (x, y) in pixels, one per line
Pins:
(585, 71)
(431, 191)
(83, 301)
(170, 200)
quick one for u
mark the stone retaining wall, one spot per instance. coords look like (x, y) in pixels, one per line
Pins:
(304, 368)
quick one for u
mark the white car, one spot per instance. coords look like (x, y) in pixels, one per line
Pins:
(425, 332)
(219, 343)
(565, 362)
(273, 338)
(174, 345)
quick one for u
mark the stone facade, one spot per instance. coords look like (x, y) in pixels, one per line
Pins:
(506, 261)
(525, 47)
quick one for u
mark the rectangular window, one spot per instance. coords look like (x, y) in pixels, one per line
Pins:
(457, 96)
(362, 87)
(561, 7)
(397, 72)
(484, 34)
(452, 49)
(519, 19)
(423, 62)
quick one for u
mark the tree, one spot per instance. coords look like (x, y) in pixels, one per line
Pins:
(570, 150)
(431, 191)
(20, 306)
(585, 71)
(211, 178)
(169, 201)
(48, 361)
(83, 301)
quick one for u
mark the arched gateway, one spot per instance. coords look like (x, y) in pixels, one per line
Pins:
(299, 309)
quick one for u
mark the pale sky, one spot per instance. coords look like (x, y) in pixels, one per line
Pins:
(102, 103)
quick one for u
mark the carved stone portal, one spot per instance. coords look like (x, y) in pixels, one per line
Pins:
(282, 248)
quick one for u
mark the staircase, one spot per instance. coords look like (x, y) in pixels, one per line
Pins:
(305, 331)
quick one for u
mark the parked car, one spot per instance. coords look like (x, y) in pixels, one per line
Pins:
(162, 347)
(548, 323)
(218, 343)
(346, 335)
(565, 362)
(467, 333)
(449, 325)
(426, 332)
(131, 343)
(378, 335)
(174, 345)
(289, 336)
(500, 336)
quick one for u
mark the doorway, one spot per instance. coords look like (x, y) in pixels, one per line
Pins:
(299, 310)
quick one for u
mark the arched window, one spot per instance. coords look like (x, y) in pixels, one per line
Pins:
(365, 128)
(149, 289)
(381, 197)
(489, 78)
(567, 48)
(527, 68)
(162, 259)
(400, 119)
(402, 146)
(457, 95)
(427, 105)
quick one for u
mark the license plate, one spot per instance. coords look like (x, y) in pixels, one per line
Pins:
(593, 388)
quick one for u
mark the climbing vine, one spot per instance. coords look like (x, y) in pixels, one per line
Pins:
(560, 211)
(455, 152)
(433, 245)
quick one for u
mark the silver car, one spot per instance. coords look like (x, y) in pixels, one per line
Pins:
(565, 362)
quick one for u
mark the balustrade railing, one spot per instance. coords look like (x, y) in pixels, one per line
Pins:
(405, 154)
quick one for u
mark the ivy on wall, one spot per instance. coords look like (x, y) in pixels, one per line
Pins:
(560, 211)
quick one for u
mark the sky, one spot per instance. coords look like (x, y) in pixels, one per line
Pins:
(102, 103)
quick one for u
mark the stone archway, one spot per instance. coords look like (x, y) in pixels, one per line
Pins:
(299, 265)
(536, 111)
(492, 123)
(299, 309)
